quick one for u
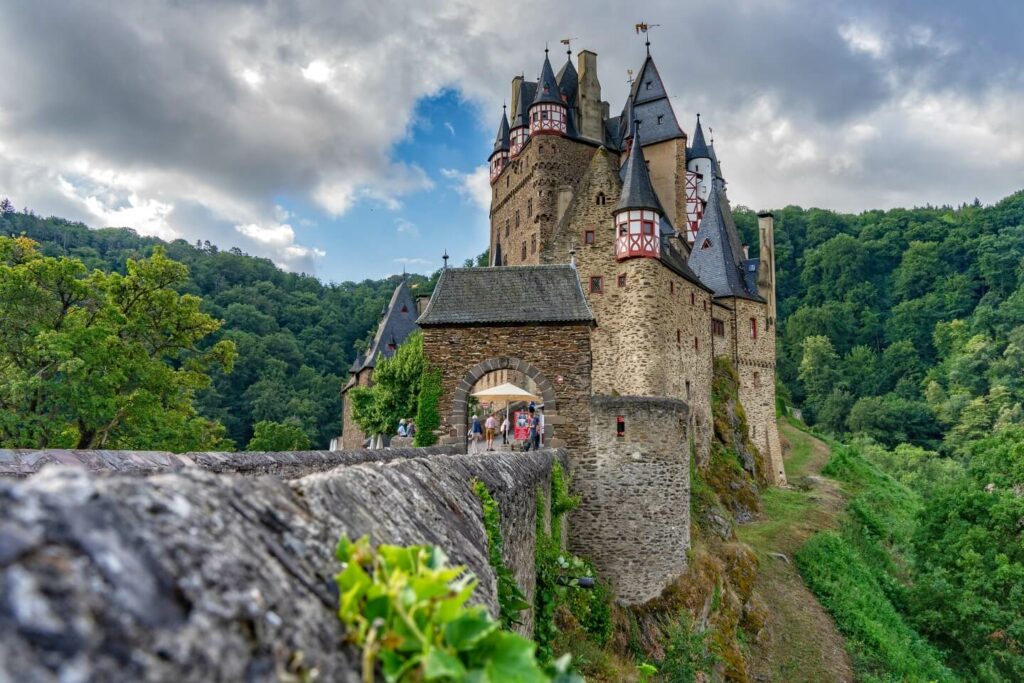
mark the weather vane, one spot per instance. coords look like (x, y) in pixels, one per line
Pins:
(568, 47)
(643, 27)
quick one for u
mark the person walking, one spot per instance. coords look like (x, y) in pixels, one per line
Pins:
(505, 426)
(475, 434)
(410, 429)
(401, 427)
(490, 425)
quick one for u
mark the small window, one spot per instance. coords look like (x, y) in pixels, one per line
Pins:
(705, 302)
(648, 227)
(517, 218)
(624, 229)
(523, 257)
(622, 279)
(696, 344)
(391, 347)
(679, 336)
(535, 117)
(753, 328)
(596, 284)
(588, 237)
(648, 85)
(671, 287)
(687, 390)
(620, 426)
(504, 260)
(757, 379)
(405, 309)
(533, 244)
(601, 199)
(693, 299)
(506, 227)
(661, 118)
(706, 244)
(544, 114)
(529, 208)
(717, 327)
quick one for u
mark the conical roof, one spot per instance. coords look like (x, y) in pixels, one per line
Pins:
(526, 92)
(501, 140)
(568, 81)
(648, 103)
(699, 148)
(637, 190)
(717, 258)
(547, 86)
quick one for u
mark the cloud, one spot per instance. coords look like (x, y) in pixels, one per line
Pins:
(411, 261)
(406, 228)
(450, 127)
(280, 239)
(474, 186)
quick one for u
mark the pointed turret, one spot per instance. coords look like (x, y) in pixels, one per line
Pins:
(699, 148)
(499, 157)
(717, 257)
(700, 164)
(638, 215)
(519, 130)
(649, 104)
(549, 112)
(568, 81)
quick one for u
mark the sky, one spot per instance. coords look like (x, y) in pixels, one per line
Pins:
(349, 140)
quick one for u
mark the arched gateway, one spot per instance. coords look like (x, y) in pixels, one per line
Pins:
(460, 401)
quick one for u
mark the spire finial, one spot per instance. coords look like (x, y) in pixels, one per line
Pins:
(568, 47)
(545, 49)
(445, 257)
(698, 117)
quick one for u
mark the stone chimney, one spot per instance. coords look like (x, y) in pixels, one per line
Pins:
(589, 94)
(516, 82)
(766, 268)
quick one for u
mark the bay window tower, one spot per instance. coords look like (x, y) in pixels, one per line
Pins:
(549, 112)
(638, 216)
(499, 157)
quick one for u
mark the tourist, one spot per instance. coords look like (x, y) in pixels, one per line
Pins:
(410, 429)
(475, 434)
(535, 423)
(505, 426)
(542, 440)
(490, 425)
(402, 431)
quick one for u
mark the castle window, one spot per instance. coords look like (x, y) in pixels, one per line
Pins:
(661, 117)
(696, 344)
(717, 327)
(706, 244)
(671, 287)
(601, 199)
(405, 309)
(757, 379)
(622, 279)
(588, 237)
(596, 284)
(506, 227)
(648, 227)
(620, 426)
(523, 257)
(535, 117)
(529, 208)
(693, 299)
(687, 390)
(533, 244)
(391, 347)
(544, 114)
(679, 336)
(517, 218)
(753, 328)
(504, 260)
(648, 84)
(705, 302)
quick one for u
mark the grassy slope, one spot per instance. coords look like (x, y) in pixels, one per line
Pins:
(801, 642)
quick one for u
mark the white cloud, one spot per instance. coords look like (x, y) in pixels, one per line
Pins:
(862, 38)
(474, 186)
(113, 207)
(317, 71)
(406, 228)
(450, 127)
(280, 238)
(411, 261)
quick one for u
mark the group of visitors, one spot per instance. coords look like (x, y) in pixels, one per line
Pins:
(487, 432)
(406, 428)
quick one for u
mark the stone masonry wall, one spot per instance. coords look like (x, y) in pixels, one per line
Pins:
(667, 163)
(529, 187)
(351, 436)
(755, 365)
(634, 518)
(544, 352)
(197, 576)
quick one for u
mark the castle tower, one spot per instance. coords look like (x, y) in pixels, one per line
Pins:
(588, 98)
(500, 155)
(638, 216)
(699, 162)
(549, 113)
(519, 131)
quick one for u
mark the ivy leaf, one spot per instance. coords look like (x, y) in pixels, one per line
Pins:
(512, 660)
(467, 630)
(439, 664)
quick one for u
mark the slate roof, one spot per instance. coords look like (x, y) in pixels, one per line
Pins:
(501, 140)
(699, 148)
(547, 86)
(651, 106)
(393, 328)
(508, 294)
(721, 265)
(637, 190)
(675, 260)
(527, 89)
(568, 81)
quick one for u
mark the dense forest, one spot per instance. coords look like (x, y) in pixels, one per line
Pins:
(295, 336)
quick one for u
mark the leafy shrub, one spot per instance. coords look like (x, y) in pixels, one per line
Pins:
(428, 417)
(406, 609)
(275, 436)
(511, 600)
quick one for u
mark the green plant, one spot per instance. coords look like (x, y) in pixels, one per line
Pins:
(511, 600)
(646, 672)
(277, 436)
(428, 418)
(406, 609)
(686, 653)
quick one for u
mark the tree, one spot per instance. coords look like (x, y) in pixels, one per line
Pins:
(395, 391)
(277, 436)
(892, 420)
(6, 207)
(102, 360)
(819, 370)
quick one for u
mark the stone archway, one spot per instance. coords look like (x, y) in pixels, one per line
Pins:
(457, 417)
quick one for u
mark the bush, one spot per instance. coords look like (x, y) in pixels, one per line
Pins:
(277, 436)
(428, 417)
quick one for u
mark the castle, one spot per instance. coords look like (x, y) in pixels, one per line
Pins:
(617, 276)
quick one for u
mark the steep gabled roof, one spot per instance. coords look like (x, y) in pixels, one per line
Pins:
(547, 86)
(398, 322)
(568, 81)
(717, 258)
(507, 294)
(637, 189)
(651, 105)
(501, 140)
(527, 89)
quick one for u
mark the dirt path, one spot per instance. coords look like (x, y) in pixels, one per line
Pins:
(800, 642)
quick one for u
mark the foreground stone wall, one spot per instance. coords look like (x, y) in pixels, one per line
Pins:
(196, 576)
(288, 464)
(634, 517)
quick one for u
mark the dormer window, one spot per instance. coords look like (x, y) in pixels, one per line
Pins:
(648, 85)
(706, 244)
(661, 118)
(405, 309)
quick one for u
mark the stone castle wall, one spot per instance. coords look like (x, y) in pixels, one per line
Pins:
(634, 518)
(529, 187)
(112, 577)
(667, 163)
(556, 357)
(351, 435)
